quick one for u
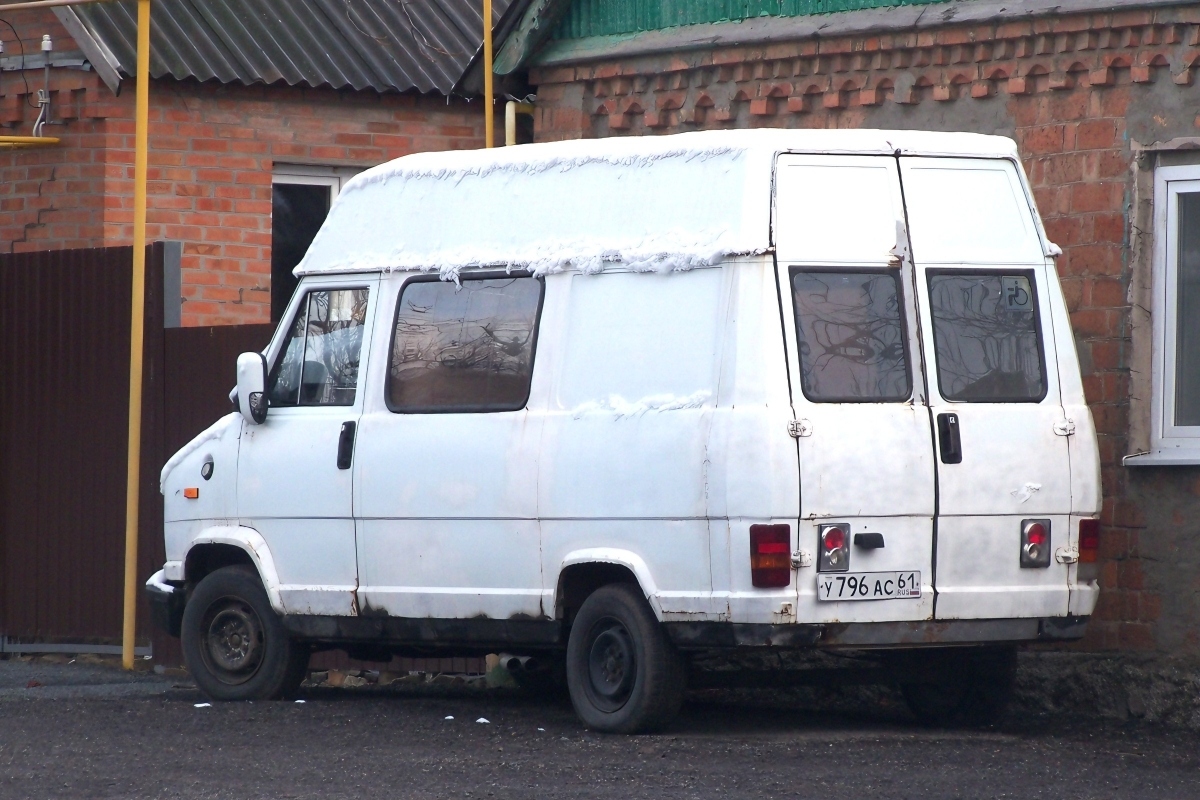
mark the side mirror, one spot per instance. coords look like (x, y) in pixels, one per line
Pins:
(252, 387)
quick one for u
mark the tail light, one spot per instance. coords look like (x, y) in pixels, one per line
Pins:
(1089, 550)
(1035, 543)
(834, 551)
(770, 555)
(1089, 540)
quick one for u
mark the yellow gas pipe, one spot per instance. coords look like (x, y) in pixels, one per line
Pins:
(136, 333)
(489, 116)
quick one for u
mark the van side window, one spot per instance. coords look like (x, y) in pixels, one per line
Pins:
(851, 332)
(464, 347)
(319, 363)
(986, 334)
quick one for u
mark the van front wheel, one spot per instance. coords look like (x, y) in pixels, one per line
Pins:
(235, 646)
(623, 673)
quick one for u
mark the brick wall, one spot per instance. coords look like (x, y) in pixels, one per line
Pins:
(49, 198)
(212, 151)
(1076, 93)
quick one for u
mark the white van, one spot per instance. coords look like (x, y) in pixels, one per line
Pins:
(618, 401)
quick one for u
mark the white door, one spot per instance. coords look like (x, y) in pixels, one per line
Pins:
(1003, 462)
(625, 463)
(446, 480)
(294, 480)
(866, 461)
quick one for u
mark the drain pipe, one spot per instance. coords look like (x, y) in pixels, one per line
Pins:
(511, 109)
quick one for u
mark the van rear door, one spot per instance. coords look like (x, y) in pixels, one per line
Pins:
(862, 424)
(1003, 465)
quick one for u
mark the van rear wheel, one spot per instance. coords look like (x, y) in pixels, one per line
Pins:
(623, 674)
(969, 687)
(234, 643)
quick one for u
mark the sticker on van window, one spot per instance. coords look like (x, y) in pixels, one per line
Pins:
(1017, 296)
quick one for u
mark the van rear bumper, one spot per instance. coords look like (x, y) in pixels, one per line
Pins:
(876, 634)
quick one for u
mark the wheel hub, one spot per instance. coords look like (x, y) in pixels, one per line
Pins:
(233, 640)
(612, 666)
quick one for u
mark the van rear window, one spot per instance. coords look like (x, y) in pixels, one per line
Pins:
(986, 334)
(465, 347)
(852, 345)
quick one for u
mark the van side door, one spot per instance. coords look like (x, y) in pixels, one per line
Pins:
(446, 481)
(1003, 462)
(294, 477)
(862, 424)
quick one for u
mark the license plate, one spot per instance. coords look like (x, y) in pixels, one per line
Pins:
(869, 586)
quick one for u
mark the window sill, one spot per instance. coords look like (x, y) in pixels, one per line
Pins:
(1164, 458)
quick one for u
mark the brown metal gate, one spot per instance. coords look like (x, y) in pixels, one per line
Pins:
(64, 378)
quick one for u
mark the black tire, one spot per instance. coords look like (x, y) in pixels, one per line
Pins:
(234, 643)
(969, 687)
(623, 674)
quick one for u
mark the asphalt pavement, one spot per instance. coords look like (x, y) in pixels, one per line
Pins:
(93, 731)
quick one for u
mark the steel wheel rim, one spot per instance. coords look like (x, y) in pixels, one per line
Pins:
(611, 665)
(233, 641)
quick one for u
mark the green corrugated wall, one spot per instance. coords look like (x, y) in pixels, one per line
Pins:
(603, 17)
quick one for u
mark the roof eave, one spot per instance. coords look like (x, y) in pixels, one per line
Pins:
(101, 58)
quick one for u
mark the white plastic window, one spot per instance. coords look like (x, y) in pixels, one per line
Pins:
(1175, 425)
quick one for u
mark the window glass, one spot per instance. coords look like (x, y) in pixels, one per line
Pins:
(465, 347)
(297, 211)
(1187, 319)
(985, 331)
(851, 336)
(319, 363)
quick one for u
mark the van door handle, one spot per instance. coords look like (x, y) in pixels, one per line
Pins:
(346, 446)
(949, 440)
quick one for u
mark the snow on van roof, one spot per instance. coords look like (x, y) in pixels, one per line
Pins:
(646, 203)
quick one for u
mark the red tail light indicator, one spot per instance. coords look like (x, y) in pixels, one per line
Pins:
(834, 556)
(1089, 540)
(770, 555)
(1035, 543)
(1089, 551)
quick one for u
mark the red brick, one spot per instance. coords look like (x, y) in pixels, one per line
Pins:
(1096, 134)
(1106, 196)
(1109, 293)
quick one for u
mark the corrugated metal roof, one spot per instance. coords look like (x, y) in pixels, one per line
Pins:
(385, 45)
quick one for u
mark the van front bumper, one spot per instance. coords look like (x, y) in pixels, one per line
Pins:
(166, 604)
(876, 634)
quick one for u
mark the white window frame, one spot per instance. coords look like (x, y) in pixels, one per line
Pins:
(1169, 443)
(311, 175)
